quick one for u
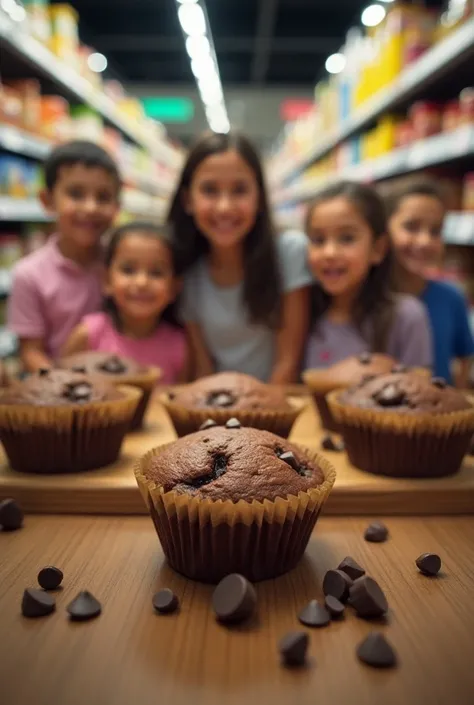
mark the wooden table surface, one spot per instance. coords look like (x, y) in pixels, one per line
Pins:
(131, 655)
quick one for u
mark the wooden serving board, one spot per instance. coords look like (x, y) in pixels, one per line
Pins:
(113, 490)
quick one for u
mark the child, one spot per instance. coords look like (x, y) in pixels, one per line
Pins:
(416, 215)
(246, 295)
(138, 320)
(353, 308)
(54, 287)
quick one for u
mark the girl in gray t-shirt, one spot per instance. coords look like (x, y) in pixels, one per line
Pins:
(246, 290)
(353, 307)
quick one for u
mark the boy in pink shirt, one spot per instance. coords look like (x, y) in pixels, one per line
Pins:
(54, 287)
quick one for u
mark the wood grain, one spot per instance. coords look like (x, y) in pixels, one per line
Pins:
(131, 655)
(113, 490)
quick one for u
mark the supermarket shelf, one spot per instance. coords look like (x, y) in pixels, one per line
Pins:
(432, 151)
(458, 226)
(23, 210)
(30, 50)
(435, 63)
(459, 229)
(15, 140)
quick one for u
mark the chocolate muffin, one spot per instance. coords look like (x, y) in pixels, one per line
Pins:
(234, 500)
(117, 370)
(62, 421)
(404, 424)
(230, 394)
(343, 374)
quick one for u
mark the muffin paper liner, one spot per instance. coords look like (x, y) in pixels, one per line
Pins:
(207, 539)
(186, 420)
(420, 445)
(67, 438)
(321, 387)
(146, 382)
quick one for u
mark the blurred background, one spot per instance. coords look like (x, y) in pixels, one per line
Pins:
(371, 91)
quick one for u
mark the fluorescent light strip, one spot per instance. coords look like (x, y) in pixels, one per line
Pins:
(200, 49)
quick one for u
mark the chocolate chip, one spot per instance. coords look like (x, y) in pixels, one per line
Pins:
(50, 577)
(439, 382)
(351, 567)
(234, 599)
(398, 369)
(36, 603)
(376, 651)
(290, 459)
(80, 391)
(218, 469)
(390, 395)
(376, 532)
(165, 601)
(84, 606)
(365, 358)
(171, 396)
(233, 423)
(337, 583)
(314, 615)
(79, 369)
(334, 606)
(43, 371)
(368, 598)
(429, 563)
(11, 515)
(328, 443)
(207, 424)
(113, 365)
(293, 648)
(221, 399)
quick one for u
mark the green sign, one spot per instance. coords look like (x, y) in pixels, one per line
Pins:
(168, 109)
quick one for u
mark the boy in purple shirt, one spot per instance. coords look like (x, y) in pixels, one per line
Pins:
(54, 287)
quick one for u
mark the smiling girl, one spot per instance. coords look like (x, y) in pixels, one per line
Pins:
(416, 214)
(353, 307)
(246, 292)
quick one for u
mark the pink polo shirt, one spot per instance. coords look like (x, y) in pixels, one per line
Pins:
(165, 348)
(50, 295)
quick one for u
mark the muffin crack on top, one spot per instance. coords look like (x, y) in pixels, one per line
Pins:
(234, 464)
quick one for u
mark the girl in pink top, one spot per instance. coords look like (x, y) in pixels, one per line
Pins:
(138, 320)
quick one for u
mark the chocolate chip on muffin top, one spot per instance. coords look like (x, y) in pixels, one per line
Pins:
(58, 387)
(234, 464)
(405, 392)
(93, 362)
(231, 390)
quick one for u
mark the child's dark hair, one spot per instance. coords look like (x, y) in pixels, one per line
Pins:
(425, 187)
(375, 303)
(262, 291)
(163, 234)
(78, 152)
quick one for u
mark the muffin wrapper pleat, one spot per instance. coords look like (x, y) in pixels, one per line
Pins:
(418, 445)
(146, 382)
(68, 438)
(206, 539)
(277, 421)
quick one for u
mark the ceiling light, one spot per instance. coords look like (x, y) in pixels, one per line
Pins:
(198, 46)
(97, 62)
(335, 63)
(192, 2)
(202, 65)
(16, 12)
(373, 15)
(192, 20)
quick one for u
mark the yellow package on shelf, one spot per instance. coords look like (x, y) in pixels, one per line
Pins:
(64, 40)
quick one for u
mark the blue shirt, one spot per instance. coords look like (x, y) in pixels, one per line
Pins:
(452, 336)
